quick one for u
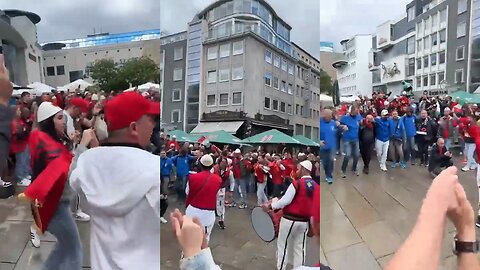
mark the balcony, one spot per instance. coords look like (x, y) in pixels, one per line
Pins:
(384, 35)
(339, 61)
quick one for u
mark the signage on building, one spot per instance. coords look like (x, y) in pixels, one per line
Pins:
(223, 114)
(271, 119)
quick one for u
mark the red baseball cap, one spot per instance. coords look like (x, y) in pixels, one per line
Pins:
(80, 103)
(126, 108)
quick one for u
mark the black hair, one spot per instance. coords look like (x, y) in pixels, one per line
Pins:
(48, 126)
(25, 93)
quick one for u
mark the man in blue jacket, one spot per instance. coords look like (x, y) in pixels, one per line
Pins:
(396, 143)
(350, 125)
(382, 131)
(409, 122)
(182, 164)
(328, 138)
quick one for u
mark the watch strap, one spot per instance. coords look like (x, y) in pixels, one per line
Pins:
(467, 247)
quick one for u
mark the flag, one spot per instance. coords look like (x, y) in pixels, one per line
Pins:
(203, 140)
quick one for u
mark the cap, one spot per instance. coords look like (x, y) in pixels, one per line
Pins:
(126, 108)
(301, 154)
(94, 97)
(386, 103)
(206, 160)
(47, 110)
(237, 151)
(307, 165)
(384, 112)
(80, 103)
(174, 137)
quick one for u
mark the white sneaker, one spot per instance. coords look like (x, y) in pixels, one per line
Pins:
(24, 183)
(81, 216)
(29, 177)
(163, 220)
(34, 237)
(466, 169)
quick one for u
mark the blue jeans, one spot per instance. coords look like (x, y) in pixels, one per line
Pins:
(240, 190)
(22, 166)
(180, 186)
(409, 149)
(352, 148)
(448, 144)
(326, 156)
(67, 254)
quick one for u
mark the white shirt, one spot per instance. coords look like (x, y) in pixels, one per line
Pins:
(206, 217)
(69, 121)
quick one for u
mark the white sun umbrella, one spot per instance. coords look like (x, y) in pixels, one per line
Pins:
(148, 86)
(39, 88)
(82, 84)
(18, 90)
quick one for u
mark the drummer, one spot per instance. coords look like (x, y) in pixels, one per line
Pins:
(296, 205)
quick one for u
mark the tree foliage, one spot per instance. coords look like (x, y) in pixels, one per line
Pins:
(112, 76)
(326, 84)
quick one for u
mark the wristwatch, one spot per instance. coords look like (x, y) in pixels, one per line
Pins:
(465, 247)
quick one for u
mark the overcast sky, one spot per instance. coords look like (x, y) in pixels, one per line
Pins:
(66, 19)
(341, 19)
(304, 18)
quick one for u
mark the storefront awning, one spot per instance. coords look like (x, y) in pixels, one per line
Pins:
(205, 127)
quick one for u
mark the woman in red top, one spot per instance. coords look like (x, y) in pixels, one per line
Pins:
(276, 170)
(261, 173)
(21, 127)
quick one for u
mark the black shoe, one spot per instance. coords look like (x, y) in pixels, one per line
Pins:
(365, 170)
(221, 224)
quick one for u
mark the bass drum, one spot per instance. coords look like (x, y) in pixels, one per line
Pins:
(266, 224)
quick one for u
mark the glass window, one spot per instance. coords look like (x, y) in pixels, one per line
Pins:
(212, 76)
(428, 23)
(225, 50)
(433, 59)
(268, 56)
(60, 70)
(443, 15)
(426, 43)
(297, 109)
(411, 13)
(432, 79)
(459, 76)
(266, 103)
(434, 20)
(411, 45)
(290, 69)
(425, 61)
(178, 54)
(441, 57)
(419, 44)
(237, 98)
(419, 81)
(212, 53)
(50, 71)
(177, 74)
(441, 77)
(268, 78)
(460, 53)
(282, 107)
(461, 29)
(425, 80)
(411, 66)
(289, 108)
(419, 63)
(283, 86)
(237, 73)
(223, 75)
(237, 47)
(175, 116)
(284, 64)
(275, 83)
(176, 95)
(211, 101)
(276, 61)
(289, 90)
(223, 99)
(443, 36)
(275, 105)
(434, 39)
(462, 6)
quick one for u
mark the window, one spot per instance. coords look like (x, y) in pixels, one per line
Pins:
(276, 61)
(211, 100)
(462, 6)
(275, 105)
(50, 71)
(212, 53)
(289, 108)
(419, 63)
(419, 45)
(425, 80)
(60, 70)
(266, 103)
(176, 95)
(289, 90)
(282, 107)
(225, 50)
(177, 74)
(223, 99)
(178, 54)
(411, 13)
(425, 61)
(268, 78)
(441, 57)
(290, 69)
(434, 39)
(443, 15)
(284, 65)
(434, 20)
(426, 43)
(433, 59)
(175, 116)
(237, 73)
(212, 76)
(432, 79)
(268, 56)
(411, 66)
(428, 23)
(223, 75)
(419, 81)
(297, 109)
(298, 90)
(237, 47)
(441, 77)
(460, 53)
(275, 82)
(443, 36)
(461, 29)
(237, 98)
(459, 76)
(301, 110)
(283, 86)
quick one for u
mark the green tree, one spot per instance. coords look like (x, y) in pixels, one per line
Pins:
(105, 73)
(326, 86)
(138, 71)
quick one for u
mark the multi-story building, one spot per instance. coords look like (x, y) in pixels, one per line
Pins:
(66, 61)
(353, 74)
(327, 56)
(173, 55)
(18, 40)
(474, 48)
(306, 111)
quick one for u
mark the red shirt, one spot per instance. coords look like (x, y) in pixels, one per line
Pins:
(289, 166)
(206, 199)
(236, 167)
(300, 206)
(18, 146)
(260, 174)
(276, 173)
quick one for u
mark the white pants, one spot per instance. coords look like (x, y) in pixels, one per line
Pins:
(232, 182)
(261, 197)
(292, 241)
(221, 203)
(208, 232)
(382, 152)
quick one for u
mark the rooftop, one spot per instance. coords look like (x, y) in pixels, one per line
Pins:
(34, 18)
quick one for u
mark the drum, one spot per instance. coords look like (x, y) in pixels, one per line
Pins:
(266, 225)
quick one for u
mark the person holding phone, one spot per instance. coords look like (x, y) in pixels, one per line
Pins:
(6, 115)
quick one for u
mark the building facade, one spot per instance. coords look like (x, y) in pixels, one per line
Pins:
(68, 60)
(18, 39)
(173, 54)
(353, 74)
(327, 56)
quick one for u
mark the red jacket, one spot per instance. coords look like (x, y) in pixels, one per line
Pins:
(276, 173)
(16, 145)
(225, 176)
(300, 207)
(289, 167)
(206, 198)
(260, 174)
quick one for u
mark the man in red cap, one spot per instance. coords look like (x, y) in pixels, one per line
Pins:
(121, 184)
